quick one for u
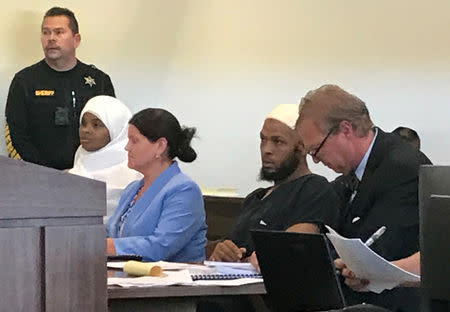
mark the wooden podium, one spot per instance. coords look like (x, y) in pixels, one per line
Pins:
(52, 240)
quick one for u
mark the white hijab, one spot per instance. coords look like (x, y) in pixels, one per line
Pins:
(108, 164)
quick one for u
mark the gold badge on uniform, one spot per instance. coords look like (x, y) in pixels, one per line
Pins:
(44, 92)
(89, 81)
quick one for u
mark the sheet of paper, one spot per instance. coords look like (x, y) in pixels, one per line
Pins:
(232, 282)
(367, 264)
(181, 277)
(232, 267)
(166, 266)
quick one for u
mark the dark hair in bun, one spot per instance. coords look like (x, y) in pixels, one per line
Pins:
(155, 123)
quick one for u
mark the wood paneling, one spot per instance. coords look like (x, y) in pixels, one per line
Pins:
(221, 213)
(20, 277)
(75, 262)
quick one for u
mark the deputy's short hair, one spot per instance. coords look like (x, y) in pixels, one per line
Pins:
(58, 11)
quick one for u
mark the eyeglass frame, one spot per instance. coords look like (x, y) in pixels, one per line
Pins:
(314, 154)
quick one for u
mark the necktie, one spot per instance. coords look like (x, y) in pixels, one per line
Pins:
(352, 181)
(351, 184)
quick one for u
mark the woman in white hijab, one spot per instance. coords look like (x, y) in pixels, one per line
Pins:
(101, 155)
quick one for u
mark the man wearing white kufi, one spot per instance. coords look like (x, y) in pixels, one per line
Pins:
(285, 113)
(298, 201)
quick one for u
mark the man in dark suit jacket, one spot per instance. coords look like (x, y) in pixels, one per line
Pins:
(411, 136)
(379, 182)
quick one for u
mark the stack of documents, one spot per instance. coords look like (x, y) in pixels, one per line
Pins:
(232, 267)
(181, 277)
(168, 266)
(180, 274)
(366, 264)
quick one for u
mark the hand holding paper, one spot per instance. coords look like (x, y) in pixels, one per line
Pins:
(358, 284)
(368, 265)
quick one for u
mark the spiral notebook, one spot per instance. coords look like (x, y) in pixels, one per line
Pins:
(209, 277)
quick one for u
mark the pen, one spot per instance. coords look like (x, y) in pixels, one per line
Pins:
(74, 100)
(74, 104)
(375, 236)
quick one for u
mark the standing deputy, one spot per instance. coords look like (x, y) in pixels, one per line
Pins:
(45, 99)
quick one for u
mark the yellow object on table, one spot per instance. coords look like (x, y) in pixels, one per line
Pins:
(138, 268)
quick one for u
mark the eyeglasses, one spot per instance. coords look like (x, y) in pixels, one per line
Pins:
(314, 153)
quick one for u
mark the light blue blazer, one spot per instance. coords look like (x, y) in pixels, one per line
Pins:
(166, 223)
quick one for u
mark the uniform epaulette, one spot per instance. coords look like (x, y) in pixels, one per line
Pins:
(93, 66)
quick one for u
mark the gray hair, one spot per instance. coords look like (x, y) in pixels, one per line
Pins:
(328, 105)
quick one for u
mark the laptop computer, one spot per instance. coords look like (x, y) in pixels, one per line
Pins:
(298, 271)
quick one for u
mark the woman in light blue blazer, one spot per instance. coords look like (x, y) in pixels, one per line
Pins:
(162, 216)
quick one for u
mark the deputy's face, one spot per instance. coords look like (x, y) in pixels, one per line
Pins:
(333, 151)
(93, 133)
(279, 150)
(57, 39)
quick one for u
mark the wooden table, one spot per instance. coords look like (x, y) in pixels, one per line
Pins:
(172, 298)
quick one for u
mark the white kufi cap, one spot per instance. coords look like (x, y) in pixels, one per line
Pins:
(285, 113)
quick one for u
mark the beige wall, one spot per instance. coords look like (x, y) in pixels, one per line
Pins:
(221, 65)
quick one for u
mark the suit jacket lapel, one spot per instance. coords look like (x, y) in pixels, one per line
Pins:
(361, 202)
(147, 198)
